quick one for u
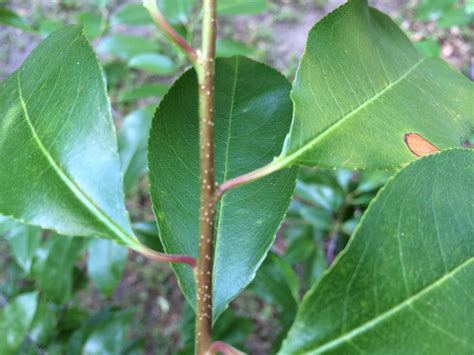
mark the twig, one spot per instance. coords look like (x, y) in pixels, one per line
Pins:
(206, 70)
(170, 32)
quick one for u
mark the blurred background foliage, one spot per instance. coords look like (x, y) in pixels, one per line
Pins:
(80, 296)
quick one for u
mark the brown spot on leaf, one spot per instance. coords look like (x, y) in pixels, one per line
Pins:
(419, 146)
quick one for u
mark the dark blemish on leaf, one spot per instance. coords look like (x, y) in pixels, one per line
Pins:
(419, 146)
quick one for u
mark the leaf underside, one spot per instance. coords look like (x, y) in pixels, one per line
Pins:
(361, 86)
(405, 282)
(253, 113)
(58, 150)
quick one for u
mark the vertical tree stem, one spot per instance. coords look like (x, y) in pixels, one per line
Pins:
(205, 71)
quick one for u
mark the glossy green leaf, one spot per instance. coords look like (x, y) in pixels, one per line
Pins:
(54, 265)
(229, 48)
(106, 264)
(253, 111)
(143, 91)
(126, 46)
(133, 143)
(23, 241)
(10, 18)
(153, 63)
(55, 120)
(361, 87)
(15, 320)
(241, 7)
(132, 15)
(404, 283)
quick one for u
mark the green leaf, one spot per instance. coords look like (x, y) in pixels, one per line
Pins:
(176, 11)
(134, 347)
(55, 120)
(277, 283)
(144, 91)
(93, 24)
(229, 48)
(454, 17)
(469, 6)
(428, 47)
(23, 241)
(47, 26)
(407, 273)
(110, 337)
(43, 326)
(6, 224)
(116, 73)
(153, 63)
(104, 333)
(125, 46)
(10, 18)
(229, 328)
(433, 9)
(252, 118)
(132, 15)
(132, 143)
(241, 7)
(54, 265)
(300, 249)
(15, 320)
(149, 235)
(362, 86)
(106, 264)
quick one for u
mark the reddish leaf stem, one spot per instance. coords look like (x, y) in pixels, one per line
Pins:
(247, 178)
(167, 258)
(170, 32)
(223, 348)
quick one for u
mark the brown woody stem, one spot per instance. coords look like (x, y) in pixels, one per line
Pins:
(205, 70)
(170, 32)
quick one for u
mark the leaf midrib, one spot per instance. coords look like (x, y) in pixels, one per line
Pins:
(226, 163)
(388, 313)
(285, 160)
(70, 184)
